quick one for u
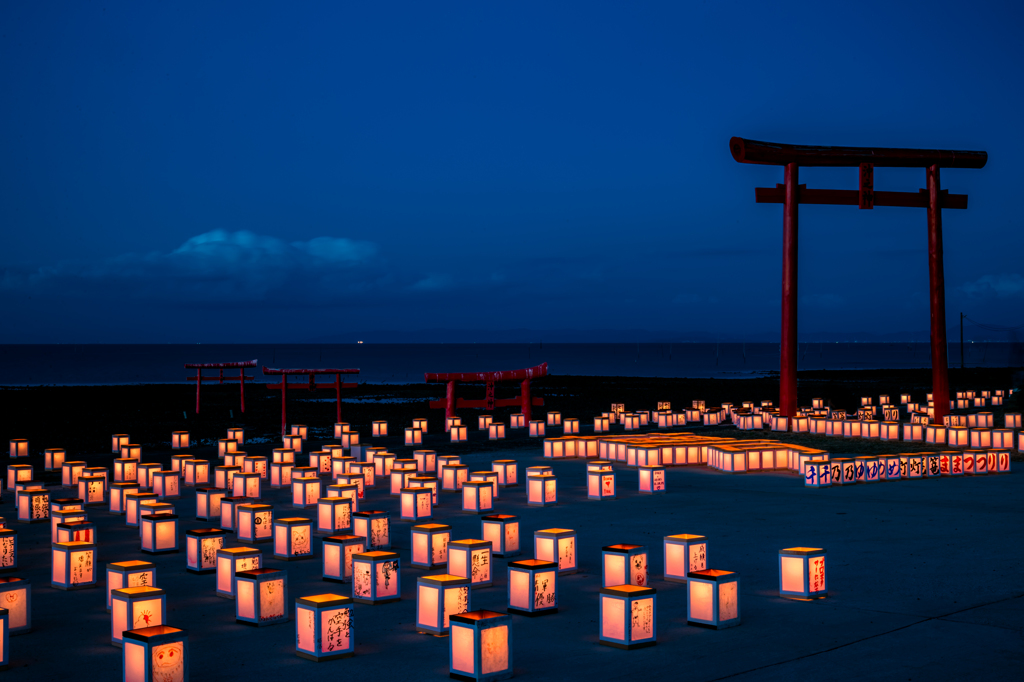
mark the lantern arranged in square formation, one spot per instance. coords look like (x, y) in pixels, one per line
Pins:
(338, 553)
(376, 577)
(306, 491)
(453, 476)
(255, 522)
(438, 597)
(126, 470)
(477, 497)
(132, 505)
(426, 461)
(16, 597)
(541, 490)
(118, 441)
(201, 546)
(293, 539)
(17, 473)
(74, 565)
(480, 646)
(532, 587)
(471, 559)
(223, 476)
(159, 533)
(129, 574)
(490, 477)
(802, 573)
(507, 470)
(624, 565)
(156, 654)
(281, 474)
(430, 544)
(556, 544)
(261, 596)
(19, 448)
(132, 608)
(714, 599)
(323, 627)
(601, 484)
(502, 531)
(229, 511)
(628, 617)
(413, 436)
(233, 560)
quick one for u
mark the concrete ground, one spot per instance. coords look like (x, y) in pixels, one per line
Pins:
(924, 581)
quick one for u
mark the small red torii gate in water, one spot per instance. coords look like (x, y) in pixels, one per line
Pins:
(792, 194)
(241, 378)
(337, 385)
(490, 378)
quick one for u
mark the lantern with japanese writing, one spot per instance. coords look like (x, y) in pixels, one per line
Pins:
(53, 458)
(129, 574)
(374, 526)
(376, 577)
(817, 473)
(156, 654)
(430, 544)
(16, 597)
(684, 554)
(280, 474)
(628, 616)
(401, 471)
(350, 486)
(323, 627)
(333, 515)
(201, 546)
(438, 597)
(320, 461)
(261, 596)
(255, 522)
(208, 503)
(231, 561)
(541, 490)
(556, 544)
(502, 531)
(490, 477)
(471, 559)
(477, 497)
(92, 490)
(338, 552)
(507, 470)
(159, 533)
(8, 550)
(453, 476)
(416, 504)
(802, 573)
(177, 462)
(133, 608)
(713, 599)
(126, 470)
(244, 484)
(293, 539)
(426, 461)
(481, 646)
(33, 505)
(223, 476)
(363, 469)
(74, 565)
(624, 565)
(165, 485)
(258, 464)
(306, 491)
(532, 587)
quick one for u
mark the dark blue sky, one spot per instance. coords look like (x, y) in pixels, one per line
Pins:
(182, 172)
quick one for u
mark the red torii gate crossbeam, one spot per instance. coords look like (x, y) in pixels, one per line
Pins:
(337, 385)
(791, 195)
(241, 378)
(490, 378)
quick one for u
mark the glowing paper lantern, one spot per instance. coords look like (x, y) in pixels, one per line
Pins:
(376, 577)
(601, 484)
(340, 428)
(8, 550)
(628, 617)
(155, 654)
(471, 559)
(420, 423)
(684, 554)
(229, 511)
(477, 497)
(133, 608)
(383, 462)
(484, 421)
(349, 439)
(208, 504)
(201, 546)
(255, 522)
(624, 565)
(246, 485)
(413, 436)
(258, 464)
(602, 424)
(333, 515)
(306, 491)
(33, 505)
(713, 599)
(481, 646)
(438, 597)
(92, 491)
(132, 502)
(890, 467)
(652, 479)
(507, 470)
(518, 421)
(74, 565)
(502, 531)
(18, 472)
(541, 490)
(293, 539)
(802, 573)
(416, 504)
(117, 441)
(300, 430)
(459, 434)
(226, 446)
(16, 597)
(323, 627)
(496, 431)
(532, 587)
(159, 533)
(374, 526)
(261, 596)
(426, 461)
(453, 476)
(817, 473)
(76, 531)
(536, 428)
(223, 475)
(53, 458)
(166, 485)
(292, 442)
(559, 545)
(401, 472)
(867, 469)
(129, 574)
(570, 425)
(280, 474)
(230, 562)
(365, 470)
(126, 470)
(338, 552)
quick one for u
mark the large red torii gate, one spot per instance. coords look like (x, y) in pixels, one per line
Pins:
(337, 385)
(241, 378)
(791, 195)
(489, 403)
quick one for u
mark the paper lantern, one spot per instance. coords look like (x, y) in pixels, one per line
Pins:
(817, 473)
(155, 654)
(628, 616)
(208, 504)
(320, 461)
(570, 426)
(223, 475)
(490, 477)
(18, 472)
(292, 442)
(624, 565)
(226, 446)
(471, 559)
(1012, 420)
(536, 428)
(601, 424)
(132, 502)
(280, 475)
(323, 627)
(339, 463)
(348, 485)
(913, 464)
(151, 508)
(117, 441)
(283, 456)
(333, 515)
(802, 573)
(53, 458)
(229, 505)
(306, 491)
(255, 522)
(64, 516)
(74, 565)
(890, 467)
(713, 599)
(8, 550)
(532, 587)
(416, 504)
(338, 553)
(340, 428)
(383, 462)
(652, 479)
(201, 547)
(542, 490)
(230, 562)
(129, 574)
(426, 460)
(258, 464)
(496, 431)
(684, 554)
(245, 484)
(33, 506)
(365, 470)
(126, 470)
(459, 434)
(477, 497)
(92, 490)
(453, 476)
(400, 475)
(176, 463)
(556, 544)
(376, 577)
(76, 531)
(261, 597)
(300, 430)
(934, 433)
(438, 597)
(844, 471)
(134, 608)
(165, 485)
(349, 439)
(630, 421)
(958, 437)
(507, 470)
(975, 462)
(293, 539)
(931, 464)
(601, 484)
(867, 469)
(413, 436)
(16, 597)
(19, 448)
(481, 646)
(374, 526)
(179, 440)
(159, 533)
(981, 438)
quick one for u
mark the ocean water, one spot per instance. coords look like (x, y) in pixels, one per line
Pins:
(406, 363)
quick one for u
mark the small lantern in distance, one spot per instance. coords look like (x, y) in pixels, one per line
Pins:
(117, 441)
(628, 617)
(714, 599)
(481, 646)
(53, 458)
(323, 627)
(496, 431)
(261, 597)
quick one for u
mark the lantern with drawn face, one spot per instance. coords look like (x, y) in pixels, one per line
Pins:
(293, 539)
(155, 654)
(624, 565)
